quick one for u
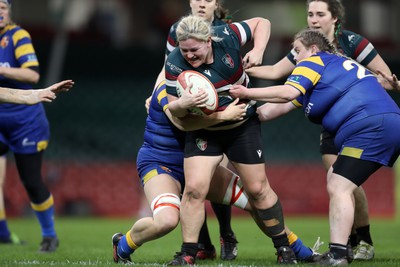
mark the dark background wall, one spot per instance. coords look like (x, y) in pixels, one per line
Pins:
(114, 51)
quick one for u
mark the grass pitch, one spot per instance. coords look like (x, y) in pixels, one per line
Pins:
(87, 242)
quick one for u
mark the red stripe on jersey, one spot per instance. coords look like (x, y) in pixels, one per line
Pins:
(170, 77)
(231, 80)
(236, 30)
(360, 47)
(171, 41)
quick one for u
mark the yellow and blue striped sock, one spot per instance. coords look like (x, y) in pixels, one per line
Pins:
(45, 214)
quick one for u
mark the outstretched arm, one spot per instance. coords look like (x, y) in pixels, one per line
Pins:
(34, 96)
(279, 70)
(270, 111)
(276, 94)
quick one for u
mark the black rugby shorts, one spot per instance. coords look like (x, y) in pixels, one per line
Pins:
(242, 144)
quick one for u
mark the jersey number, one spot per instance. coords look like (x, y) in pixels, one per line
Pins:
(361, 70)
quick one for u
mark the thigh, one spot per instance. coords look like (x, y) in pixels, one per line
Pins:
(150, 163)
(161, 184)
(353, 169)
(204, 143)
(199, 171)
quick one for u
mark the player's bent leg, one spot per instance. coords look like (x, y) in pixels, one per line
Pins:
(165, 219)
(268, 208)
(162, 192)
(231, 188)
(165, 208)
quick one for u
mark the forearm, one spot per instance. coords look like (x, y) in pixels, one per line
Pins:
(270, 111)
(20, 74)
(258, 71)
(17, 96)
(176, 110)
(275, 94)
(262, 33)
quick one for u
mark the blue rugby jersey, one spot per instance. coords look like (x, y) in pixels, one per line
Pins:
(16, 51)
(334, 91)
(160, 134)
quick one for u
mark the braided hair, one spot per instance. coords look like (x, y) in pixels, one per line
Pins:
(310, 37)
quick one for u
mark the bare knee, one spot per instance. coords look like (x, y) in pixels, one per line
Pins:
(166, 223)
(258, 190)
(193, 194)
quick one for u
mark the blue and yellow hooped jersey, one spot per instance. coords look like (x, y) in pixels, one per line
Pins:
(160, 133)
(337, 91)
(16, 51)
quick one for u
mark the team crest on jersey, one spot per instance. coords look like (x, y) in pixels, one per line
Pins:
(4, 42)
(201, 144)
(227, 59)
(294, 78)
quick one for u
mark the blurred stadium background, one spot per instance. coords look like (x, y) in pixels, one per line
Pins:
(114, 49)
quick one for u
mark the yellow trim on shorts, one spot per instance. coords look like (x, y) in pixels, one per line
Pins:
(42, 145)
(149, 175)
(352, 152)
(43, 206)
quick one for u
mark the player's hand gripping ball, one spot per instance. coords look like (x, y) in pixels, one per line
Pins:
(199, 81)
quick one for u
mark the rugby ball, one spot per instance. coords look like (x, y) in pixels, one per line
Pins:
(199, 81)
